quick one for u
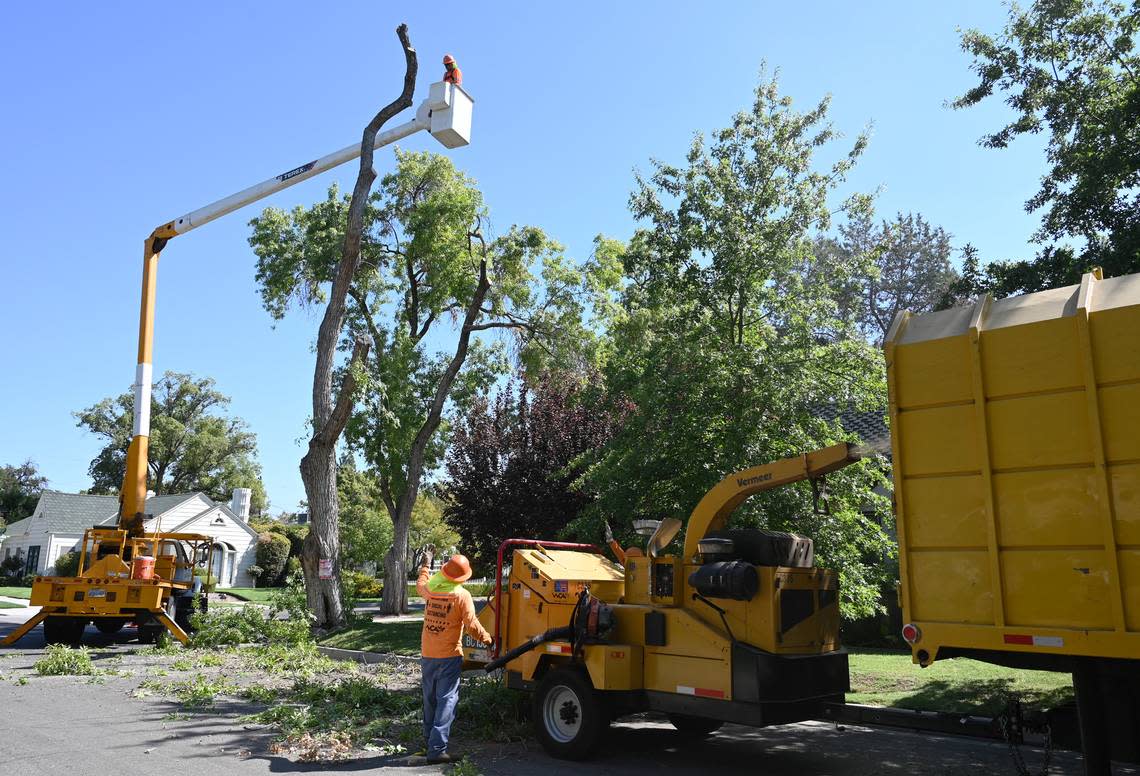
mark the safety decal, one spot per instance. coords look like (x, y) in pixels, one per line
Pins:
(560, 649)
(561, 586)
(1026, 640)
(701, 692)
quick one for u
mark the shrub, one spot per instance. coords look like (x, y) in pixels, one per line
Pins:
(272, 553)
(28, 579)
(363, 585)
(12, 569)
(209, 581)
(67, 565)
(293, 566)
(60, 659)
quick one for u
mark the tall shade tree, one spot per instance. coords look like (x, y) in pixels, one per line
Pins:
(732, 348)
(910, 268)
(284, 276)
(1069, 70)
(194, 444)
(20, 488)
(515, 459)
(431, 294)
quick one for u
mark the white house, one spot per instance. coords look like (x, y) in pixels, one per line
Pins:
(58, 523)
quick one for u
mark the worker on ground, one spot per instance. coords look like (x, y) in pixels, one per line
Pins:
(451, 74)
(616, 548)
(448, 611)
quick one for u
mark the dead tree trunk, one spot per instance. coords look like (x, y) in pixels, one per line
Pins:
(395, 600)
(321, 550)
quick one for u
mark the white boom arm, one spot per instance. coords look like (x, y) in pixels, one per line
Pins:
(446, 113)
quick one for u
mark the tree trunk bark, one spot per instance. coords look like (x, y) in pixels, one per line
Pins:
(318, 467)
(395, 601)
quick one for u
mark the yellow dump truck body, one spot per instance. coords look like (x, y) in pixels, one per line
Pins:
(1015, 431)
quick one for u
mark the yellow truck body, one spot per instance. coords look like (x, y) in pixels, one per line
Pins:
(1015, 429)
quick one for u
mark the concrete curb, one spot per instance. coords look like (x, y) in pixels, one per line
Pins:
(369, 658)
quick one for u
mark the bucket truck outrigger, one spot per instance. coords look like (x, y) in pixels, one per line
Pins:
(128, 573)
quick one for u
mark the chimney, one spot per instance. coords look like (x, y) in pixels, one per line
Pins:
(239, 505)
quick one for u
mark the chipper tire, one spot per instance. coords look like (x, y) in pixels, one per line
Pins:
(64, 630)
(568, 715)
(694, 727)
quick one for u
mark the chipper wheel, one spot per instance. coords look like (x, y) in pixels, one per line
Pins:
(569, 717)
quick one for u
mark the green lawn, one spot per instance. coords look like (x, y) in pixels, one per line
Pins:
(259, 595)
(881, 678)
(16, 592)
(6, 605)
(401, 637)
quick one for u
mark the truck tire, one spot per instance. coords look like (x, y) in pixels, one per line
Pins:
(569, 717)
(110, 625)
(694, 727)
(64, 630)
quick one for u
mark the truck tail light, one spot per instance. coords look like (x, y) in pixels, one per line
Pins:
(911, 633)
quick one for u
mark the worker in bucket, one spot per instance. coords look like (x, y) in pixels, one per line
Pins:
(448, 611)
(451, 74)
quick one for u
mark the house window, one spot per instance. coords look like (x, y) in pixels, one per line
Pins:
(33, 561)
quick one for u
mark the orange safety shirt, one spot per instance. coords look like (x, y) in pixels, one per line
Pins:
(448, 609)
(453, 75)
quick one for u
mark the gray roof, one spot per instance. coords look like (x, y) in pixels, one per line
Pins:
(73, 513)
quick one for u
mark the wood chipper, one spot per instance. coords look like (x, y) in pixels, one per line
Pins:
(742, 627)
(113, 586)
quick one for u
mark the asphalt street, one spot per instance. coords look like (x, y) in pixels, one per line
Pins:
(69, 726)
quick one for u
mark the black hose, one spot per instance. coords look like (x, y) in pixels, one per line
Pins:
(527, 646)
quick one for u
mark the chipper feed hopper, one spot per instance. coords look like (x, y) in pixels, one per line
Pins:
(741, 627)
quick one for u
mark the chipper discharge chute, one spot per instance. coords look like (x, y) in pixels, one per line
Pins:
(741, 627)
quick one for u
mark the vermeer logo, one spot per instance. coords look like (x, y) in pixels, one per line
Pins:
(745, 482)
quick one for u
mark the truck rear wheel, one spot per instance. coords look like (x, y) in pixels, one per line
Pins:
(110, 625)
(64, 630)
(694, 727)
(568, 716)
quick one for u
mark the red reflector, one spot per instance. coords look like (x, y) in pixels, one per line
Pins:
(1018, 638)
(911, 633)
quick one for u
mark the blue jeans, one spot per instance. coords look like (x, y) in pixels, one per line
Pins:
(441, 694)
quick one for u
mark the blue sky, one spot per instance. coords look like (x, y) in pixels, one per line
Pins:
(119, 116)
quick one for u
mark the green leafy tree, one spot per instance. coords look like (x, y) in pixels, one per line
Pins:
(430, 526)
(20, 488)
(1069, 70)
(515, 458)
(910, 268)
(365, 526)
(731, 344)
(194, 445)
(431, 294)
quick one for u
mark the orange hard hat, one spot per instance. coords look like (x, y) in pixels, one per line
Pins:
(458, 569)
(448, 59)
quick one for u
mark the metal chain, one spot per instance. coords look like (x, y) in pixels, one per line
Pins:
(1012, 725)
